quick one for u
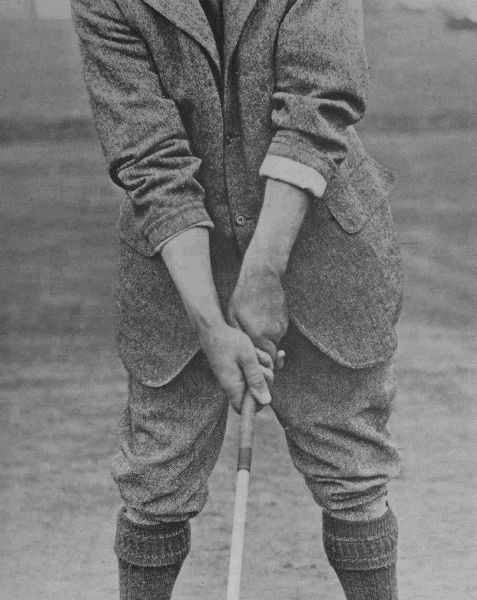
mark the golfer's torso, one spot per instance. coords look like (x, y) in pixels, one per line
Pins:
(343, 287)
(225, 111)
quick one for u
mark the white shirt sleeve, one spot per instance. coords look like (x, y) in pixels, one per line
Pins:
(295, 173)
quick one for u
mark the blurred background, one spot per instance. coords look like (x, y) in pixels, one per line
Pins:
(61, 383)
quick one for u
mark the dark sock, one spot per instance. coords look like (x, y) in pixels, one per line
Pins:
(363, 554)
(149, 558)
(146, 583)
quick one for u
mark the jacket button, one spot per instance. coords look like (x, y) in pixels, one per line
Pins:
(240, 220)
(230, 137)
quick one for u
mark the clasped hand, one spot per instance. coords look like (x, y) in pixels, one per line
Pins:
(258, 307)
(243, 353)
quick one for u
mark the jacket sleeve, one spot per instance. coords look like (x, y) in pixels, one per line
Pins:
(141, 131)
(321, 79)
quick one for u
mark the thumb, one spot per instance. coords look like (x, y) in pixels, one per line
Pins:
(255, 379)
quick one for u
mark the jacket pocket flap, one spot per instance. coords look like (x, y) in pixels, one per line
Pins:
(352, 198)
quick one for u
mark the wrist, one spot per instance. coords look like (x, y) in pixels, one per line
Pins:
(206, 319)
(263, 261)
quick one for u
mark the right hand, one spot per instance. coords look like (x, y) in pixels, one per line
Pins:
(236, 365)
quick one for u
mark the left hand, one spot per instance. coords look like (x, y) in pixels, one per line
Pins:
(258, 307)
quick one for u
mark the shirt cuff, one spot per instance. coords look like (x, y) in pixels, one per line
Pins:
(297, 174)
(207, 224)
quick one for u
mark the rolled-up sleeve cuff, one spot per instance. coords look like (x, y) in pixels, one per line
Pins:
(174, 219)
(293, 172)
(207, 224)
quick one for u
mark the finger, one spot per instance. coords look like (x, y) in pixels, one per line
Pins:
(280, 362)
(234, 384)
(236, 403)
(264, 359)
(269, 375)
(266, 345)
(255, 379)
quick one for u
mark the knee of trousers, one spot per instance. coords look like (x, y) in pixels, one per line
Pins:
(155, 497)
(336, 496)
(169, 439)
(361, 545)
(151, 545)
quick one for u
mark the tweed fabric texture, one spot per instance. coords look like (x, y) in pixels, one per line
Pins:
(334, 418)
(213, 11)
(185, 127)
(148, 545)
(146, 583)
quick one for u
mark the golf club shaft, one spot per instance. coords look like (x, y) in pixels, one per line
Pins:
(241, 496)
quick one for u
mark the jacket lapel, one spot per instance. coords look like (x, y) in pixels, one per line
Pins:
(189, 16)
(236, 13)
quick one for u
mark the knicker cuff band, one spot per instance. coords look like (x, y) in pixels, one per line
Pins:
(151, 545)
(361, 545)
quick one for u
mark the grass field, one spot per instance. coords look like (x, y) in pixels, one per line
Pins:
(61, 384)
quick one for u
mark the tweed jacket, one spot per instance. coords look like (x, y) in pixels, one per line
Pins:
(185, 127)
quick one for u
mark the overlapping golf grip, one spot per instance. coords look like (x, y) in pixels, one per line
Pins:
(246, 426)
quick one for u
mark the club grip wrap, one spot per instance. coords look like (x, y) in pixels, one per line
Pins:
(244, 459)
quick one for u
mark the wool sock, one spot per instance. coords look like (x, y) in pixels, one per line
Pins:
(363, 554)
(146, 583)
(149, 557)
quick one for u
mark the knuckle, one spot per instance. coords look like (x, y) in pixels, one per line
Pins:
(257, 381)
